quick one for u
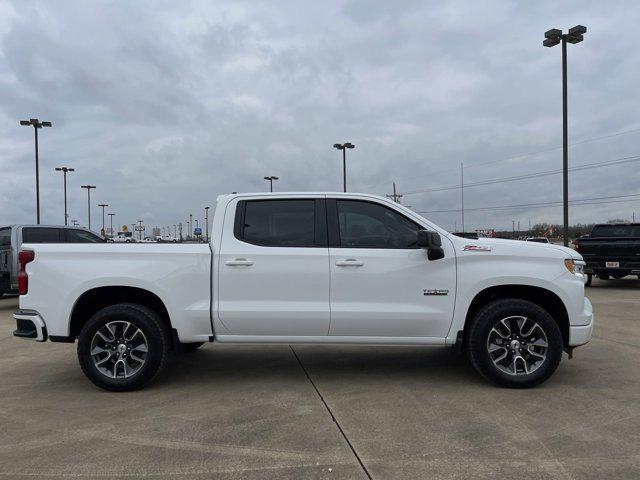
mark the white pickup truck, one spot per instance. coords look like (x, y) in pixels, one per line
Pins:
(317, 268)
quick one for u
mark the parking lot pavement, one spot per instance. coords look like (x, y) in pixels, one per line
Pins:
(252, 412)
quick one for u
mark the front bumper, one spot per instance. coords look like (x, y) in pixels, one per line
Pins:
(581, 334)
(30, 326)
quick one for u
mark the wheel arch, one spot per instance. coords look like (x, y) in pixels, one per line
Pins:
(98, 298)
(542, 297)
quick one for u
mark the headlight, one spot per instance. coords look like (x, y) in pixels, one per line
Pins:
(574, 266)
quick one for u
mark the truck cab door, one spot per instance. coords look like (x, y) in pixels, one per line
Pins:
(273, 269)
(382, 283)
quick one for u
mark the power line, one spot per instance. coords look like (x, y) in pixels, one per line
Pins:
(580, 201)
(526, 176)
(525, 155)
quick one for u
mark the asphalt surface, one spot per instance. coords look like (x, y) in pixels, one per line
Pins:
(260, 412)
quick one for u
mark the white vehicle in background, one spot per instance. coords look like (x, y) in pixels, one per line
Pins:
(165, 239)
(123, 237)
(537, 239)
(308, 268)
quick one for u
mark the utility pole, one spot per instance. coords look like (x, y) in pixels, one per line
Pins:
(102, 205)
(111, 222)
(552, 38)
(88, 187)
(462, 191)
(36, 124)
(140, 229)
(64, 171)
(206, 220)
(190, 232)
(395, 195)
(344, 147)
(513, 227)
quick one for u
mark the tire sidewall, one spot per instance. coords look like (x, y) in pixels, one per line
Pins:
(493, 313)
(141, 317)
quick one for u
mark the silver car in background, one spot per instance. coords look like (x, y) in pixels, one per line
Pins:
(13, 236)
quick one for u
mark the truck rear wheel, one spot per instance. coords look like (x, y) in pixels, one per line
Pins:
(122, 347)
(514, 343)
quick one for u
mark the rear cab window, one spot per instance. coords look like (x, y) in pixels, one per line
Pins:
(42, 235)
(615, 231)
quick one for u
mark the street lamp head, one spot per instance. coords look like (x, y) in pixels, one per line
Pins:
(551, 42)
(267, 178)
(338, 146)
(88, 187)
(576, 38)
(59, 169)
(26, 123)
(553, 33)
(349, 145)
(578, 30)
(46, 124)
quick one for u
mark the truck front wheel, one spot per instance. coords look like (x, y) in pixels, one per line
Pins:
(514, 343)
(122, 347)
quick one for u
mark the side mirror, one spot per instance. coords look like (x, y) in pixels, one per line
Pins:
(432, 243)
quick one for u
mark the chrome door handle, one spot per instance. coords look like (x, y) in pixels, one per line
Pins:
(349, 262)
(239, 262)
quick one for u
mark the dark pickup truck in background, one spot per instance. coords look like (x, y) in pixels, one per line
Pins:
(611, 251)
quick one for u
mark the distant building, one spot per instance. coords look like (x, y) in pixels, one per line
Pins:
(156, 232)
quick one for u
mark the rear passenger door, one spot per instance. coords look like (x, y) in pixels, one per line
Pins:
(273, 272)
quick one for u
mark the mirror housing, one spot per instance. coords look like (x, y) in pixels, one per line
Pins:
(432, 243)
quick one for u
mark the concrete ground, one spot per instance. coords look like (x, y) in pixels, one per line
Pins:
(252, 412)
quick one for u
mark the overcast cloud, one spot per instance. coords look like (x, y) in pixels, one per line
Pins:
(164, 105)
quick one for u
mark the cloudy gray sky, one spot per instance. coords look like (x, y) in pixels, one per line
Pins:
(164, 105)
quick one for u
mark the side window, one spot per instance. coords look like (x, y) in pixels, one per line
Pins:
(41, 235)
(82, 236)
(5, 236)
(369, 225)
(278, 223)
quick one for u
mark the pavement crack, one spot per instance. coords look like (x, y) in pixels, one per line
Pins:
(333, 417)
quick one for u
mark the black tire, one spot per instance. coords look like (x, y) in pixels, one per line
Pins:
(155, 334)
(589, 280)
(603, 276)
(492, 314)
(189, 347)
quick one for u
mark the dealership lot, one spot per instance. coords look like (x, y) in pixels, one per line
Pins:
(266, 412)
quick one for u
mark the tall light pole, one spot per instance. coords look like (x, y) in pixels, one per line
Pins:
(462, 192)
(554, 37)
(64, 171)
(88, 187)
(270, 180)
(111, 223)
(206, 220)
(190, 232)
(36, 124)
(102, 205)
(344, 147)
(140, 229)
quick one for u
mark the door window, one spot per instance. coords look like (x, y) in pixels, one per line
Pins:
(41, 235)
(5, 236)
(82, 236)
(278, 223)
(370, 225)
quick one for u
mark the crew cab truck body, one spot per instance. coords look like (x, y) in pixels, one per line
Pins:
(611, 250)
(308, 268)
